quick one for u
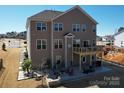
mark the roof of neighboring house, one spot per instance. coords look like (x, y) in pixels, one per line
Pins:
(109, 37)
(48, 15)
(119, 32)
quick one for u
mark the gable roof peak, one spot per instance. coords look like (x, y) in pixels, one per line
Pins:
(77, 7)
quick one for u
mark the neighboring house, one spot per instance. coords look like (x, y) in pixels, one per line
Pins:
(119, 39)
(22, 35)
(108, 40)
(2, 35)
(65, 38)
(99, 41)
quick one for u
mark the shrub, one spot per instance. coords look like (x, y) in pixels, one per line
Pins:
(26, 65)
(26, 55)
(4, 47)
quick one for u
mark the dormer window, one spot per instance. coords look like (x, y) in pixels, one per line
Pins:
(84, 27)
(93, 28)
(41, 26)
(58, 27)
(76, 27)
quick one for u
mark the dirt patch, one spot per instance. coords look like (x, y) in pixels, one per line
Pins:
(8, 79)
(117, 57)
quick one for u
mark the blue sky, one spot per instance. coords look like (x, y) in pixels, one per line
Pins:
(13, 18)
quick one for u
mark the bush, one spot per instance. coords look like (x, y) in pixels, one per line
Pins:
(26, 65)
(26, 55)
(4, 47)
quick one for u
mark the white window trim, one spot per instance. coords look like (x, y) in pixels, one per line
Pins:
(76, 27)
(41, 44)
(58, 27)
(41, 26)
(58, 43)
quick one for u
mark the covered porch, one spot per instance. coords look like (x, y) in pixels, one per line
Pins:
(86, 57)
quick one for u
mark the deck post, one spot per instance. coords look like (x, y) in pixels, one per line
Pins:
(90, 59)
(80, 62)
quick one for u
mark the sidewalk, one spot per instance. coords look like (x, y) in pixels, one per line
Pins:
(21, 72)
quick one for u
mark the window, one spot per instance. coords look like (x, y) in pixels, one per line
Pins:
(86, 43)
(121, 43)
(41, 26)
(58, 59)
(76, 43)
(58, 27)
(42, 44)
(93, 28)
(94, 43)
(38, 26)
(76, 27)
(57, 44)
(93, 57)
(38, 44)
(83, 59)
(84, 27)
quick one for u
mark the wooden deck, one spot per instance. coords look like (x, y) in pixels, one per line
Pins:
(87, 50)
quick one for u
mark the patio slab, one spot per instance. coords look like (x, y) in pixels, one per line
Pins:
(65, 78)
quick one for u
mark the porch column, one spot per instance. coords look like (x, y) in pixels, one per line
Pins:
(90, 59)
(101, 58)
(65, 52)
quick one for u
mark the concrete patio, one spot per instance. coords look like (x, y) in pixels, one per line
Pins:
(65, 78)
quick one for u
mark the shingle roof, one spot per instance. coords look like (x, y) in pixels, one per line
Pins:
(48, 15)
(119, 32)
(45, 15)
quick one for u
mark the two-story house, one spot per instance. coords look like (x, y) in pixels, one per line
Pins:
(66, 38)
(119, 39)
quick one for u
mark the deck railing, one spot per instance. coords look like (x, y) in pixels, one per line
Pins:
(86, 49)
